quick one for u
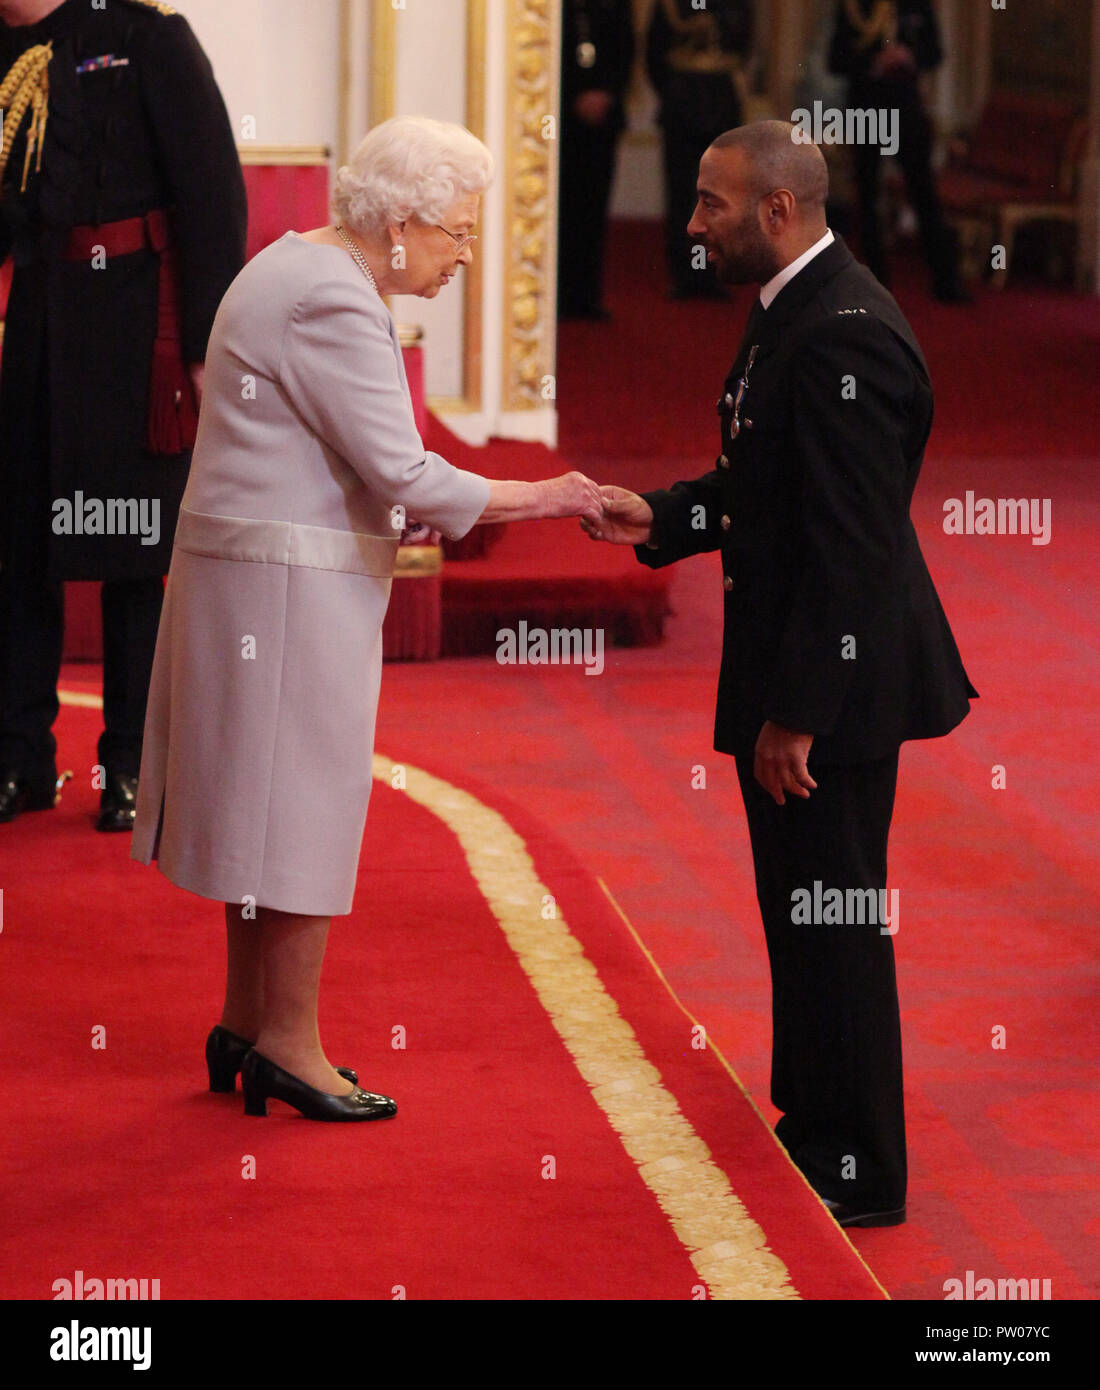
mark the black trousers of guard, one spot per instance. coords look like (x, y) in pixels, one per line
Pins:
(586, 175)
(32, 624)
(836, 1033)
(914, 153)
(682, 150)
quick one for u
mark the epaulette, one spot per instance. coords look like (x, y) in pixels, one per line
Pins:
(850, 311)
(152, 5)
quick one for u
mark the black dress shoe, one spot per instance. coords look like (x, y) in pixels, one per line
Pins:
(225, 1052)
(262, 1080)
(118, 802)
(18, 793)
(846, 1215)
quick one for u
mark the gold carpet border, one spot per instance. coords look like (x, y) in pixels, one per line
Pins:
(727, 1248)
(736, 1079)
(723, 1242)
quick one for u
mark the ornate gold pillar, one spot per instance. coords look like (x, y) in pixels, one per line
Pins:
(509, 86)
(530, 205)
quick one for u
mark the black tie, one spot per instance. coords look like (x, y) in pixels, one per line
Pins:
(755, 322)
(753, 328)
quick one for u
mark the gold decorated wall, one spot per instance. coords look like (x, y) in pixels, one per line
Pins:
(529, 324)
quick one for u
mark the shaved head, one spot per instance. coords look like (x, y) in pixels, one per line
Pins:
(762, 192)
(778, 158)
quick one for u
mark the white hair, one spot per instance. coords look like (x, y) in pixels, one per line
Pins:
(409, 166)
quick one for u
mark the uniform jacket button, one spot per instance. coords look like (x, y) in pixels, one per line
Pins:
(725, 523)
(727, 583)
(723, 462)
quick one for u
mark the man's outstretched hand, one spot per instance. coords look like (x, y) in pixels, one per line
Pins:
(627, 518)
(780, 762)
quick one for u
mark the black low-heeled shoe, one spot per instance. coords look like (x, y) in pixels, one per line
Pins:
(262, 1080)
(225, 1052)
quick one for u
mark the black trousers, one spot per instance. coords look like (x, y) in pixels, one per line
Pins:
(32, 608)
(31, 631)
(682, 150)
(586, 174)
(836, 1033)
(914, 154)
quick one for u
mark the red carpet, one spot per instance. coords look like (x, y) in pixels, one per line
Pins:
(149, 1176)
(996, 888)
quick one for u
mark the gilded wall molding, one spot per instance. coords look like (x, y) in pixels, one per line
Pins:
(528, 308)
(383, 61)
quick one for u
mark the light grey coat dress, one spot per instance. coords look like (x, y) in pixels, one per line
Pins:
(256, 764)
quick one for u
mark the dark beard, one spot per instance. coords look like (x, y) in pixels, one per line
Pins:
(752, 267)
(753, 263)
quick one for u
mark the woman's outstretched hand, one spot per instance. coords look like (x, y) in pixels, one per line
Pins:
(571, 494)
(627, 518)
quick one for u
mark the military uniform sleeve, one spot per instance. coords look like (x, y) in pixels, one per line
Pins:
(612, 36)
(201, 171)
(853, 512)
(920, 30)
(685, 521)
(842, 47)
(338, 369)
(658, 40)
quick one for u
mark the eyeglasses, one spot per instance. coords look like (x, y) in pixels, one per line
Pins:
(460, 240)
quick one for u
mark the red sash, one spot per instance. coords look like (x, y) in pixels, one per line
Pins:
(173, 419)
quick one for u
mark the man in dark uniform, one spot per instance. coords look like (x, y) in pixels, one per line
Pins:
(596, 57)
(125, 220)
(835, 648)
(882, 47)
(694, 58)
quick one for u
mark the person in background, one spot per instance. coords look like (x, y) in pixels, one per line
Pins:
(596, 59)
(694, 58)
(882, 47)
(123, 209)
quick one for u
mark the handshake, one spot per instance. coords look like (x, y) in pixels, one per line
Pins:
(606, 513)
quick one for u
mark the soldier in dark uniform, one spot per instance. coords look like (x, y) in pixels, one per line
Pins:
(597, 54)
(882, 47)
(693, 57)
(122, 206)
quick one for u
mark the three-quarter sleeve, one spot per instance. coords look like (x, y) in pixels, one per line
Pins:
(339, 371)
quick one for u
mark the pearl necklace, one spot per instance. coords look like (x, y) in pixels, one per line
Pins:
(358, 257)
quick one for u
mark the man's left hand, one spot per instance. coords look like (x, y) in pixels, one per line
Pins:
(780, 762)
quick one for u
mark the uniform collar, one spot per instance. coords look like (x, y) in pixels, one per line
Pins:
(787, 274)
(799, 291)
(51, 27)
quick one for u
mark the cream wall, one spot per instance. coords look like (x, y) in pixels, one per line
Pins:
(430, 80)
(277, 61)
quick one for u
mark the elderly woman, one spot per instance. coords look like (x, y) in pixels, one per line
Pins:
(256, 768)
